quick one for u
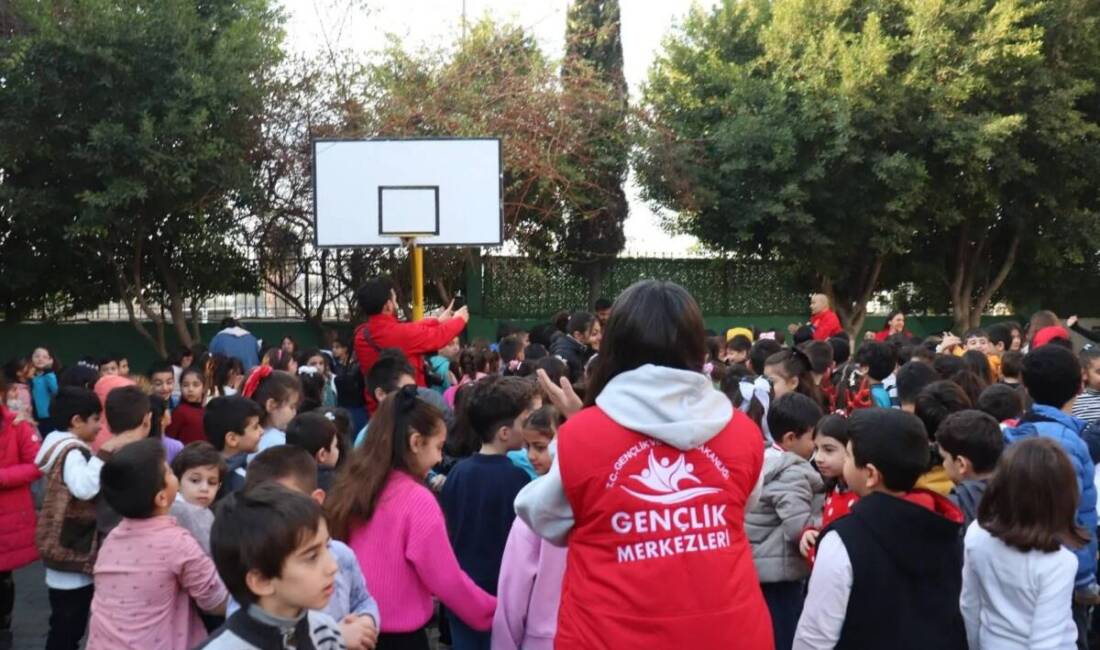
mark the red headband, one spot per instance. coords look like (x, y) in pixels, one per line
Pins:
(259, 373)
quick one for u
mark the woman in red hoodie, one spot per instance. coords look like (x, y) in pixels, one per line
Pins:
(19, 443)
(649, 489)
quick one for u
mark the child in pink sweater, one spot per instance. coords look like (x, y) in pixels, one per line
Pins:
(532, 569)
(149, 568)
(381, 508)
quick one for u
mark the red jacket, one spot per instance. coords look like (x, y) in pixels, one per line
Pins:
(826, 325)
(658, 556)
(414, 339)
(186, 424)
(18, 447)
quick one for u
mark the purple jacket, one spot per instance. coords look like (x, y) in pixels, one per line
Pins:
(528, 592)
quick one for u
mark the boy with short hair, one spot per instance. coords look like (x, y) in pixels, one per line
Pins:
(351, 603)
(1003, 402)
(270, 545)
(792, 493)
(878, 361)
(1052, 376)
(200, 470)
(316, 434)
(934, 403)
(912, 378)
(1012, 368)
(892, 568)
(72, 484)
(970, 443)
(163, 379)
(232, 426)
(977, 339)
(478, 495)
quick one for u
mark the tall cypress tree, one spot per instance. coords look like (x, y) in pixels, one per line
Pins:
(594, 54)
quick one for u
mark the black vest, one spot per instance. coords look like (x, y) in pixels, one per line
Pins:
(906, 577)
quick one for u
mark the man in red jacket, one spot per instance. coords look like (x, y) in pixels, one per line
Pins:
(378, 302)
(823, 319)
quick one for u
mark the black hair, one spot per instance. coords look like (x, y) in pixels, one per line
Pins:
(938, 400)
(313, 390)
(1001, 401)
(739, 343)
(126, 408)
(311, 431)
(71, 402)
(80, 376)
(912, 378)
(652, 322)
(833, 426)
(196, 371)
(802, 334)
(601, 304)
(794, 364)
(225, 415)
(948, 365)
(842, 349)
(374, 295)
(580, 322)
(509, 348)
(554, 367)
(542, 334)
(1000, 333)
(157, 407)
(283, 462)
(975, 333)
(535, 351)
(793, 412)
(228, 322)
(1088, 354)
(495, 402)
(974, 435)
(761, 350)
(388, 370)
(880, 358)
(893, 441)
(132, 477)
(560, 321)
(178, 356)
(924, 354)
(820, 354)
(308, 353)
(1012, 364)
(223, 367)
(161, 367)
(972, 385)
(257, 530)
(977, 363)
(1052, 375)
(198, 454)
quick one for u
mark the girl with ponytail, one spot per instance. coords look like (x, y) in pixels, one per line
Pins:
(381, 508)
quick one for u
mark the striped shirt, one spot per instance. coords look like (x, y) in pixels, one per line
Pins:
(1087, 406)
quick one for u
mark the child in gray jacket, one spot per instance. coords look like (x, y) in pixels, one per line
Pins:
(793, 492)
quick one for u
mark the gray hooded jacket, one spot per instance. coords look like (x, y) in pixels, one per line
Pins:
(793, 492)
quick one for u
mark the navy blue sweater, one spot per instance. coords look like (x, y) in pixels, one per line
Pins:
(478, 503)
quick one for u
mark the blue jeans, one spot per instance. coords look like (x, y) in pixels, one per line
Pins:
(464, 637)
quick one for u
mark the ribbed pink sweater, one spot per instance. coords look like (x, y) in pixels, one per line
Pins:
(407, 558)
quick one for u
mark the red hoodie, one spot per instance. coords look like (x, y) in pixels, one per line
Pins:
(826, 325)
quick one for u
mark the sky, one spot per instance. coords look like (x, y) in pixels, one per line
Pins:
(361, 25)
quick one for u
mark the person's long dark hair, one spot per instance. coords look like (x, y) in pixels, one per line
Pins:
(652, 322)
(359, 483)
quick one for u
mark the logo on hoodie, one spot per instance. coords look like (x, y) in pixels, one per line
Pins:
(664, 477)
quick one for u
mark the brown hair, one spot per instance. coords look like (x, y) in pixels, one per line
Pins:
(1031, 501)
(198, 454)
(544, 420)
(279, 386)
(360, 482)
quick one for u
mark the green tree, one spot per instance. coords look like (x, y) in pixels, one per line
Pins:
(595, 216)
(151, 115)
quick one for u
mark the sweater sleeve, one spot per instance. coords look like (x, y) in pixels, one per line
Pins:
(359, 599)
(197, 575)
(517, 579)
(81, 475)
(1048, 619)
(23, 471)
(429, 551)
(827, 597)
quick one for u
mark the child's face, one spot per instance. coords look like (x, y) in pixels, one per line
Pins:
(26, 373)
(85, 429)
(308, 575)
(199, 485)
(801, 444)
(234, 380)
(248, 440)
(191, 389)
(1017, 340)
(339, 351)
(955, 469)
(426, 451)
(780, 384)
(124, 367)
(280, 414)
(538, 450)
(288, 346)
(1092, 375)
(737, 356)
(855, 477)
(451, 350)
(318, 363)
(41, 359)
(979, 343)
(330, 455)
(163, 384)
(829, 455)
(514, 437)
(108, 369)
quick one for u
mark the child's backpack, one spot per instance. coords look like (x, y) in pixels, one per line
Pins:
(66, 536)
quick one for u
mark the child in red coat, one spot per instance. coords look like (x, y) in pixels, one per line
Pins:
(830, 448)
(19, 443)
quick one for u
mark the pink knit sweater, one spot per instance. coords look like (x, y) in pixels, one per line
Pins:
(407, 558)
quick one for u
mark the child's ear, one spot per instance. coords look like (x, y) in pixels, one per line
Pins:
(232, 439)
(318, 495)
(161, 500)
(271, 404)
(147, 422)
(504, 433)
(259, 584)
(379, 395)
(874, 477)
(788, 438)
(965, 466)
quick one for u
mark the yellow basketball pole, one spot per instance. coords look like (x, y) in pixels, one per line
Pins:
(417, 254)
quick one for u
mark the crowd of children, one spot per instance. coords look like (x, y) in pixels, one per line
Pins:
(898, 493)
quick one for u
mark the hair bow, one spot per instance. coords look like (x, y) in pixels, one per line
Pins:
(259, 373)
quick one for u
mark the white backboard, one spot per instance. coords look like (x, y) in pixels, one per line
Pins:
(446, 192)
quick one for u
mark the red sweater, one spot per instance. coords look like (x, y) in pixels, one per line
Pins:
(658, 556)
(826, 325)
(414, 339)
(186, 423)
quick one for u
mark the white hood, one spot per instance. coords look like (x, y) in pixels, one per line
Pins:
(681, 408)
(235, 331)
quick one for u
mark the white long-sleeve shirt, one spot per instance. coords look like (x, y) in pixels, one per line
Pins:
(1013, 600)
(827, 598)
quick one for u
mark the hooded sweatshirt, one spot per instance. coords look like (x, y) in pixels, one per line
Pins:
(888, 575)
(968, 496)
(650, 488)
(793, 492)
(238, 343)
